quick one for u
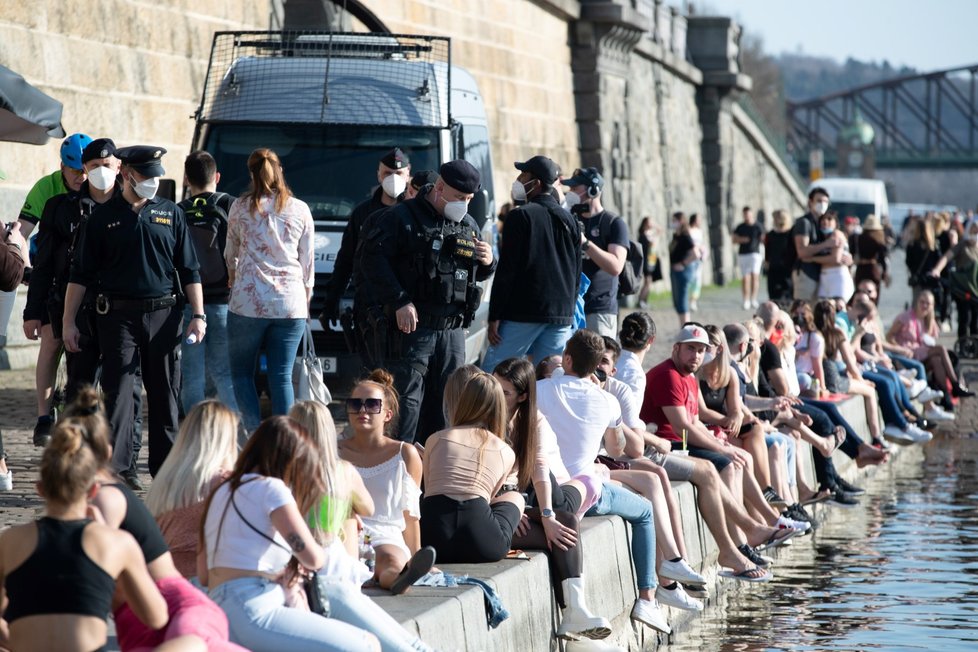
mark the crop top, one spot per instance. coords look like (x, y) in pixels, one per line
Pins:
(230, 542)
(140, 523)
(58, 577)
(452, 463)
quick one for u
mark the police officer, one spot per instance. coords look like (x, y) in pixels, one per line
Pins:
(421, 263)
(135, 251)
(393, 174)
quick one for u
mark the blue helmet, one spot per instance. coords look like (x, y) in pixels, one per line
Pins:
(71, 150)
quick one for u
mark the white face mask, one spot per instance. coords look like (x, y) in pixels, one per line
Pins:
(708, 357)
(820, 208)
(518, 193)
(394, 185)
(145, 189)
(571, 199)
(102, 177)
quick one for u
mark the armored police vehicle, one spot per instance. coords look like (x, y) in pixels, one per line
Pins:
(331, 105)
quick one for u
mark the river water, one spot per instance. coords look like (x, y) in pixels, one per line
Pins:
(899, 572)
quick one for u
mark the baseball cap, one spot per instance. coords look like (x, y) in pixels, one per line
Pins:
(541, 168)
(693, 333)
(585, 177)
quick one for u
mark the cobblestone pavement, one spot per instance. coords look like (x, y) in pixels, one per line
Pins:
(717, 306)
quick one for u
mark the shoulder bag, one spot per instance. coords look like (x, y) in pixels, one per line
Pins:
(307, 373)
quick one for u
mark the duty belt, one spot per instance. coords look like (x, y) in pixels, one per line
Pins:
(438, 323)
(104, 304)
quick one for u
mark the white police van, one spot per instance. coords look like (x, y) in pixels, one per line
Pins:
(330, 105)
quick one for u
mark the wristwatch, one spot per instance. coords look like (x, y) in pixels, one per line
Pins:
(202, 318)
(547, 513)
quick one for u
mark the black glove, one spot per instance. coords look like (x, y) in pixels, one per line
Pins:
(331, 310)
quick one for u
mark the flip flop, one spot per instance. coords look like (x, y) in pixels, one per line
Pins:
(746, 575)
(778, 538)
(416, 568)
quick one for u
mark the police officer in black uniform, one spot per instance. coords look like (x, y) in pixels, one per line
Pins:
(393, 175)
(421, 263)
(135, 252)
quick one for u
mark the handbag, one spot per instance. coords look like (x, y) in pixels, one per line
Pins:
(657, 270)
(305, 595)
(307, 373)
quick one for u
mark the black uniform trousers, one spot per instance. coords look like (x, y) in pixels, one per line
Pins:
(428, 357)
(132, 340)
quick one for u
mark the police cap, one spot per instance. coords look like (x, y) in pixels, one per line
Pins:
(541, 168)
(461, 176)
(396, 159)
(423, 178)
(144, 159)
(98, 148)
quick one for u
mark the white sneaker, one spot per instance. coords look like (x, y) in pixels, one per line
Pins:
(916, 387)
(677, 598)
(919, 435)
(784, 521)
(680, 571)
(648, 613)
(945, 326)
(693, 306)
(897, 435)
(587, 645)
(929, 394)
(908, 373)
(754, 304)
(746, 304)
(7, 480)
(937, 413)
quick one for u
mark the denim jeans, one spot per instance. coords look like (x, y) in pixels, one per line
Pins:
(888, 395)
(851, 445)
(790, 450)
(910, 363)
(207, 360)
(281, 339)
(524, 338)
(619, 501)
(681, 282)
(258, 620)
(349, 605)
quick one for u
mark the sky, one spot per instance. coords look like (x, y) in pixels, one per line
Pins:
(926, 35)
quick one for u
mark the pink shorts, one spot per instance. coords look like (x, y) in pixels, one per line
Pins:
(191, 612)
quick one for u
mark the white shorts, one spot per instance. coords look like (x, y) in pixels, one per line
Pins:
(749, 263)
(835, 282)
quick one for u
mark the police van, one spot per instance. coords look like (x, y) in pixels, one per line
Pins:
(331, 105)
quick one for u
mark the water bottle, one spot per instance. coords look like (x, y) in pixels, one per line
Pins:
(367, 555)
(192, 338)
(816, 387)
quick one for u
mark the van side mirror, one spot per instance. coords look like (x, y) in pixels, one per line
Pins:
(167, 189)
(479, 207)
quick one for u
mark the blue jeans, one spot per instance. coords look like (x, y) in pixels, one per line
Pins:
(349, 605)
(258, 620)
(889, 397)
(910, 363)
(619, 501)
(281, 339)
(523, 338)
(851, 445)
(790, 450)
(681, 282)
(207, 360)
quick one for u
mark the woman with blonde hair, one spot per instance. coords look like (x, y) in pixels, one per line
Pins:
(269, 255)
(471, 507)
(202, 456)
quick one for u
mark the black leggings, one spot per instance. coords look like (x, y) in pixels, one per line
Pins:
(967, 317)
(468, 531)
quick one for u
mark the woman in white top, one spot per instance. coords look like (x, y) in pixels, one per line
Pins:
(636, 336)
(391, 473)
(269, 254)
(254, 536)
(696, 285)
(835, 279)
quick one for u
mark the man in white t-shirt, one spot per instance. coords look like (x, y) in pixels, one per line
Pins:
(584, 416)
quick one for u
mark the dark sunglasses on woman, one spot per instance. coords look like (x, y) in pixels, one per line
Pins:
(369, 405)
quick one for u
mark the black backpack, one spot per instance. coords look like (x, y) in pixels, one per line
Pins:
(630, 278)
(207, 223)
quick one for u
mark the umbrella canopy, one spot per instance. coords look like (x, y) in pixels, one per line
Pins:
(26, 114)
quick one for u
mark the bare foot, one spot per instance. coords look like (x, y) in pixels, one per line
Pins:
(870, 456)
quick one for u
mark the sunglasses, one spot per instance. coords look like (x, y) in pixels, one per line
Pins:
(369, 405)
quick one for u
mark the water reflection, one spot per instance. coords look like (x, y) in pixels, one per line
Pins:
(898, 573)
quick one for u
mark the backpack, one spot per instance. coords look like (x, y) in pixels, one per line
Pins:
(206, 222)
(630, 278)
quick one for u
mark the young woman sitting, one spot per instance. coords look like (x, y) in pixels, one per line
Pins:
(391, 472)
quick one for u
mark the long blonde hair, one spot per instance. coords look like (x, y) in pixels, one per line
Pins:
(929, 321)
(267, 180)
(753, 361)
(716, 373)
(453, 389)
(206, 445)
(316, 418)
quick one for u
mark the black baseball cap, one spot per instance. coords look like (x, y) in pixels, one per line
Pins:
(98, 148)
(460, 175)
(585, 177)
(541, 168)
(396, 159)
(144, 159)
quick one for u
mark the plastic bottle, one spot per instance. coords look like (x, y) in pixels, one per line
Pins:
(192, 338)
(367, 555)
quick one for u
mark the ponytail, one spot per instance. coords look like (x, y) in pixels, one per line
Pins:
(68, 465)
(267, 180)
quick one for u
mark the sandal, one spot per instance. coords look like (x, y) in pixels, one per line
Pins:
(755, 575)
(416, 568)
(780, 537)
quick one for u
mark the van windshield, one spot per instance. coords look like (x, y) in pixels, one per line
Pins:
(851, 209)
(330, 167)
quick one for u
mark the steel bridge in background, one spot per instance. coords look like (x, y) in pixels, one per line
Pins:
(921, 121)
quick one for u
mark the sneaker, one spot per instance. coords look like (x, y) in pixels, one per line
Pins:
(919, 435)
(772, 497)
(929, 394)
(916, 387)
(840, 498)
(677, 598)
(756, 558)
(7, 480)
(693, 306)
(960, 392)
(937, 413)
(131, 479)
(680, 571)
(588, 645)
(42, 431)
(754, 304)
(853, 490)
(801, 526)
(897, 435)
(697, 591)
(746, 304)
(910, 374)
(648, 613)
(799, 513)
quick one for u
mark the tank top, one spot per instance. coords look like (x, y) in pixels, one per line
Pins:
(140, 523)
(394, 492)
(58, 577)
(715, 399)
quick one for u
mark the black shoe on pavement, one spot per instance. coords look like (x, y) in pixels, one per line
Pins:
(42, 431)
(131, 479)
(848, 488)
(960, 392)
(841, 498)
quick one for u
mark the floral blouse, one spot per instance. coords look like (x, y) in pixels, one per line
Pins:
(271, 257)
